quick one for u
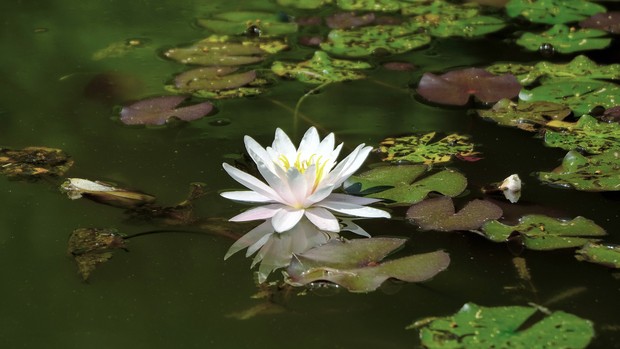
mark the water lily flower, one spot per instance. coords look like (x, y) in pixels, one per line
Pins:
(299, 183)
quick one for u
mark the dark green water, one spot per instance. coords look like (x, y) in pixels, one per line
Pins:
(175, 290)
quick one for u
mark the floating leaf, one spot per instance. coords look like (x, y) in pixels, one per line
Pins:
(92, 246)
(586, 134)
(212, 79)
(398, 183)
(217, 51)
(608, 21)
(304, 4)
(34, 162)
(367, 40)
(249, 22)
(465, 27)
(371, 5)
(357, 264)
(439, 214)
(580, 95)
(320, 69)
(539, 232)
(594, 173)
(105, 193)
(476, 327)
(565, 40)
(343, 20)
(552, 11)
(524, 115)
(605, 254)
(455, 87)
(611, 115)
(419, 149)
(119, 49)
(441, 8)
(158, 110)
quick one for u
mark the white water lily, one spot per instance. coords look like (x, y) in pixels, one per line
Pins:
(300, 181)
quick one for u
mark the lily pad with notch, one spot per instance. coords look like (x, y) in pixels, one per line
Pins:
(587, 134)
(475, 326)
(160, 110)
(528, 116)
(358, 265)
(600, 253)
(320, 69)
(553, 11)
(90, 247)
(593, 173)
(456, 87)
(402, 186)
(439, 214)
(34, 163)
(421, 149)
(566, 40)
(252, 23)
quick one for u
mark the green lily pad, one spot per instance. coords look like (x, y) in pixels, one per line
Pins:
(91, 247)
(538, 232)
(373, 5)
(565, 39)
(586, 134)
(460, 27)
(528, 116)
(357, 264)
(34, 162)
(439, 214)
(320, 69)
(604, 254)
(580, 95)
(400, 185)
(594, 173)
(304, 4)
(419, 149)
(553, 11)
(365, 41)
(441, 8)
(217, 51)
(580, 67)
(476, 326)
(241, 22)
(213, 79)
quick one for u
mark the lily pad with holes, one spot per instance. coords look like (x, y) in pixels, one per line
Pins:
(400, 184)
(358, 265)
(439, 214)
(250, 23)
(608, 21)
(366, 41)
(456, 87)
(217, 51)
(320, 69)
(594, 173)
(34, 162)
(93, 246)
(159, 110)
(423, 148)
(599, 253)
(581, 95)
(587, 134)
(475, 326)
(538, 232)
(213, 79)
(524, 115)
(553, 11)
(565, 39)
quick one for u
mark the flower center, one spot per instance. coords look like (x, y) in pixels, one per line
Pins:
(302, 166)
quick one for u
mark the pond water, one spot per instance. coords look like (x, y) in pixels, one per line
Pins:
(175, 289)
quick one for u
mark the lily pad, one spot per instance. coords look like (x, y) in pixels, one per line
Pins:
(105, 193)
(92, 246)
(539, 232)
(217, 51)
(400, 184)
(594, 173)
(320, 69)
(250, 23)
(528, 116)
(587, 134)
(357, 264)
(419, 149)
(343, 20)
(608, 21)
(581, 95)
(476, 326)
(212, 79)
(604, 254)
(439, 214)
(552, 11)
(304, 4)
(34, 162)
(366, 41)
(455, 87)
(159, 110)
(459, 27)
(441, 8)
(565, 40)
(371, 5)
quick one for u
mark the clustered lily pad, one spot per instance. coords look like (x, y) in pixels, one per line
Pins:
(93, 246)
(604, 254)
(358, 265)
(565, 39)
(439, 214)
(475, 326)
(252, 23)
(594, 173)
(538, 232)
(320, 69)
(587, 134)
(553, 11)
(421, 149)
(160, 110)
(528, 116)
(34, 162)
(400, 184)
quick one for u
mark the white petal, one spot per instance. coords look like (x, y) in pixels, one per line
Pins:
(320, 194)
(286, 218)
(251, 182)
(250, 238)
(260, 212)
(309, 143)
(297, 186)
(337, 172)
(258, 244)
(353, 209)
(358, 200)
(326, 147)
(323, 219)
(249, 196)
(258, 153)
(352, 165)
(349, 225)
(283, 145)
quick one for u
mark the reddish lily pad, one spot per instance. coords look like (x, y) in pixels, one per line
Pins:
(455, 87)
(345, 20)
(34, 162)
(92, 246)
(357, 264)
(439, 214)
(159, 110)
(611, 115)
(608, 21)
(212, 79)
